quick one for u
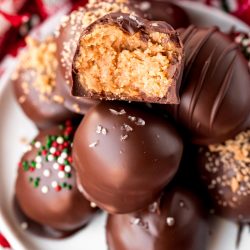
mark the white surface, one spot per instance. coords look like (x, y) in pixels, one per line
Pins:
(14, 126)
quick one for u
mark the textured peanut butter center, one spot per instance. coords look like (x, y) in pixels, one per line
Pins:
(112, 61)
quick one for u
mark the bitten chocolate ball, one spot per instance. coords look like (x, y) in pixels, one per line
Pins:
(177, 221)
(160, 10)
(67, 37)
(225, 170)
(215, 90)
(125, 57)
(35, 87)
(125, 156)
(46, 190)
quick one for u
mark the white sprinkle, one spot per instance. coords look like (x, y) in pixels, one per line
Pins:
(38, 165)
(132, 118)
(94, 144)
(45, 189)
(46, 173)
(104, 131)
(93, 205)
(59, 140)
(153, 207)
(67, 169)
(123, 137)
(120, 18)
(170, 221)
(140, 122)
(136, 221)
(238, 39)
(64, 155)
(55, 165)
(38, 159)
(51, 158)
(61, 174)
(126, 127)
(60, 160)
(145, 6)
(38, 144)
(54, 184)
(115, 112)
(52, 150)
(246, 42)
(24, 225)
(98, 129)
(154, 24)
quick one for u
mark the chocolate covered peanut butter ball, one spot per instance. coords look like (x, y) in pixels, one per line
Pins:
(46, 190)
(125, 57)
(125, 155)
(176, 221)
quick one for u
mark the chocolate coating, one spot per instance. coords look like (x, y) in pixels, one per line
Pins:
(67, 37)
(124, 156)
(214, 103)
(224, 169)
(46, 189)
(177, 221)
(160, 10)
(35, 86)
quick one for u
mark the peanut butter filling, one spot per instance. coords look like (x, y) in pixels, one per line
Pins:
(110, 60)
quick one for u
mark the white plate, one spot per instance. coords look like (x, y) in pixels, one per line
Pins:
(14, 126)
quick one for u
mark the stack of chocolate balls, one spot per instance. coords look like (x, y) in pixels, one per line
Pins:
(145, 93)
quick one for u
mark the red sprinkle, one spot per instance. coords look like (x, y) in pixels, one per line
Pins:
(70, 159)
(68, 123)
(57, 153)
(54, 144)
(58, 188)
(44, 152)
(31, 169)
(61, 167)
(65, 144)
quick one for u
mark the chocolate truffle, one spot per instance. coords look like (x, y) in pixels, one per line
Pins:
(177, 221)
(34, 84)
(160, 10)
(46, 190)
(225, 170)
(125, 155)
(214, 103)
(67, 37)
(125, 57)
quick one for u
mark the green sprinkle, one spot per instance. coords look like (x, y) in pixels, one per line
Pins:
(66, 137)
(39, 152)
(36, 182)
(30, 179)
(68, 175)
(53, 137)
(64, 185)
(25, 166)
(33, 163)
(69, 187)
